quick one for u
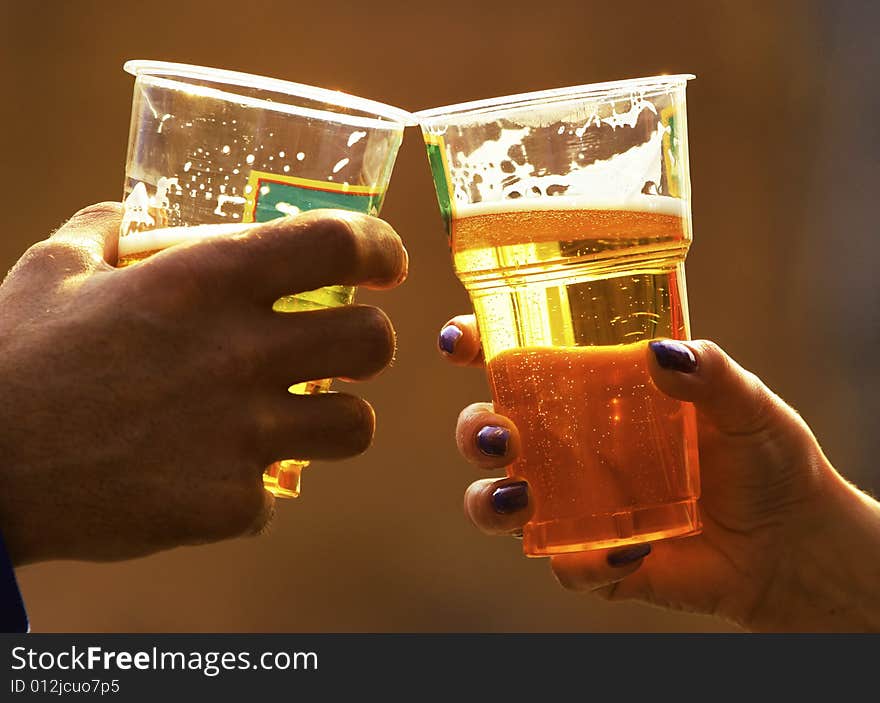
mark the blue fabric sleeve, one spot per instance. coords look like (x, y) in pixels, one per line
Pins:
(13, 616)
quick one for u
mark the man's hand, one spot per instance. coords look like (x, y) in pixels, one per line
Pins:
(139, 406)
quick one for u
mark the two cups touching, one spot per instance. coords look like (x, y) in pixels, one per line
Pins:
(568, 216)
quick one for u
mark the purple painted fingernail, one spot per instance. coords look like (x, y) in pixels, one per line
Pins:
(511, 497)
(449, 337)
(492, 440)
(626, 556)
(674, 356)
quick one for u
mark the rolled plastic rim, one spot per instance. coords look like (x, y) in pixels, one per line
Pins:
(376, 115)
(591, 91)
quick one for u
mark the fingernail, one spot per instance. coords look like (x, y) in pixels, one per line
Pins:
(492, 440)
(628, 555)
(674, 356)
(510, 498)
(449, 337)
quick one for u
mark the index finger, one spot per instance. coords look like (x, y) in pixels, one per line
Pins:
(296, 254)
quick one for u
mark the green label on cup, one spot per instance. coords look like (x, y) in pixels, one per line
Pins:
(437, 160)
(269, 196)
(669, 119)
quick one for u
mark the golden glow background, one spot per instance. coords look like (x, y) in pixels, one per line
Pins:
(784, 133)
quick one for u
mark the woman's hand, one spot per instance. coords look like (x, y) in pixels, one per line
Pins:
(786, 545)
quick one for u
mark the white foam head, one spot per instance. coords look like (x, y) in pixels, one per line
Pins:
(659, 204)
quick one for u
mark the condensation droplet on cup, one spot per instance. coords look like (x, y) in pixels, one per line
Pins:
(187, 166)
(249, 158)
(226, 148)
(300, 156)
(341, 164)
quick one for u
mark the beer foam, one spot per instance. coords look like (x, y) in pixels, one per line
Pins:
(660, 204)
(156, 239)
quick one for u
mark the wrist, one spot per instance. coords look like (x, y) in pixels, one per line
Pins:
(837, 572)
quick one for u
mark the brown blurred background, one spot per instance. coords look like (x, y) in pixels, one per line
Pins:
(784, 137)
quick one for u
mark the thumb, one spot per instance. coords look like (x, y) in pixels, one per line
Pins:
(94, 228)
(736, 401)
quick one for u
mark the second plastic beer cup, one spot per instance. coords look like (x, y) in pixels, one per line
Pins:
(568, 213)
(220, 149)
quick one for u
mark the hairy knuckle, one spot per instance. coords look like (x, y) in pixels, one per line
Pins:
(99, 211)
(56, 256)
(53, 248)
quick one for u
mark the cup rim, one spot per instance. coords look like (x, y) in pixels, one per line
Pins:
(518, 101)
(379, 115)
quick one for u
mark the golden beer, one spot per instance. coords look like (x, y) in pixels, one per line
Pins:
(567, 296)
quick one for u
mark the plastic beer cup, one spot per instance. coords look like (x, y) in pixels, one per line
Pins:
(218, 149)
(568, 213)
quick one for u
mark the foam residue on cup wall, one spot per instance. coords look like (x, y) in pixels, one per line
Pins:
(211, 175)
(205, 148)
(607, 156)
